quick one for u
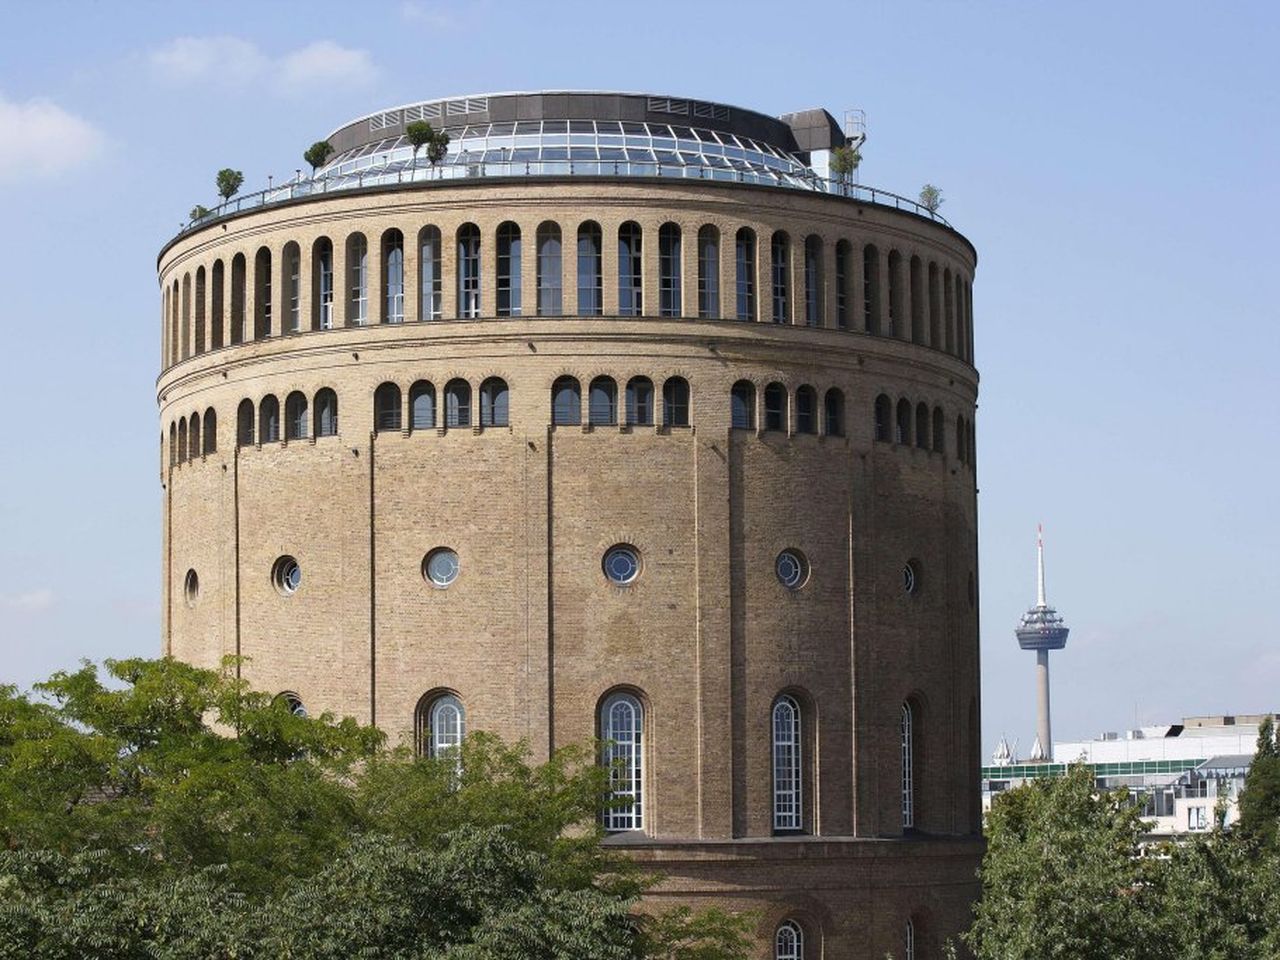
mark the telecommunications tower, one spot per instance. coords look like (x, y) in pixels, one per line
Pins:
(1042, 629)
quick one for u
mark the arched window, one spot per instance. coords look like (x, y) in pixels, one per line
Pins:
(186, 315)
(902, 424)
(908, 723)
(508, 289)
(622, 730)
(296, 418)
(393, 276)
(590, 281)
(326, 413)
(935, 307)
(494, 405)
(237, 298)
(292, 702)
(968, 320)
(884, 414)
(780, 271)
(939, 431)
(909, 941)
(550, 271)
(833, 413)
(742, 405)
(566, 402)
(200, 295)
(357, 280)
(709, 273)
(775, 407)
(948, 312)
(291, 260)
(744, 254)
(269, 420)
(386, 408)
(429, 289)
(896, 317)
(182, 451)
(844, 277)
(806, 410)
(210, 431)
(814, 308)
(630, 291)
(675, 402)
(959, 298)
(217, 280)
(788, 788)
(640, 402)
(788, 942)
(439, 725)
(602, 402)
(422, 405)
(457, 403)
(322, 284)
(173, 442)
(917, 300)
(262, 294)
(922, 425)
(871, 288)
(244, 424)
(962, 439)
(468, 271)
(194, 449)
(670, 301)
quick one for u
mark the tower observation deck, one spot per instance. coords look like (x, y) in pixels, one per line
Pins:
(1042, 629)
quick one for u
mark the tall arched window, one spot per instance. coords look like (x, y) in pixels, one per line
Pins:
(244, 424)
(326, 413)
(939, 431)
(630, 290)
(566, 402)
(742, 406)
(439, 725)
(291, 260)
(508, 288)
(744, 255)
(922, 425)
(814, 308)
(960, 334)
(935, 307)
(186, 315)
(844, 278)
(670, 300)
(917, 300)
(948, 312)
(640, 402)
(210, 431)
(909, 941)
(806, 410)
(457, 403)
(468, 271)
(871, 289)
(357, 280)
(173, 443)
(269, 420)
(833, 413)
(902, 423)
(788, 942)
(908, 732)
(550, 271)
(200, 296)
(675, 402)
(237, 298)
(622, 730)
(494, 403)
(393, 276)
(185, 446)
(430, 286)
(195, 448)
(602, 402)
(217, 280)
(884, 414)
(262, 294)
(386, 408)
(897, 318)
(296, 418)
(322, 284)
(590, 280)
(422, 405)
(962, 440)
(709, 273)
(780, 272)
(788, 786)
(775, 407)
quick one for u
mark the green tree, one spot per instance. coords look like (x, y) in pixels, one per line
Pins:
(844, 161)
(437, 147)
(419, 133)
(317, 154)
(930, 197)
(229, 182)
(1260, 801)
(198, 211)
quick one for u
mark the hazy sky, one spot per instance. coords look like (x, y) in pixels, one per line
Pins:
(1115, 164)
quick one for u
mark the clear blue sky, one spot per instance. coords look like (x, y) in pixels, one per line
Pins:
(1115, 165)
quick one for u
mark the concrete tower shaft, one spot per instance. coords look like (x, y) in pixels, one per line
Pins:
(1042, 629)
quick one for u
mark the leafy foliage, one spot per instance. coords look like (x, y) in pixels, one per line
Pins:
(229, 182)
(421, 134)
(1260, 802)
(845, 160)
(198, 211)
(317, 154)
(930, 197)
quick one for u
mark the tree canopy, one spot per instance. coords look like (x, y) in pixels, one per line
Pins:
(317, 154)
(229, 182)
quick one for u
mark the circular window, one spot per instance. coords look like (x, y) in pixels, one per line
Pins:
(286, 575)
(440, 567)
(792, 569)
(622, 564)
(191, 588)
(911, 576)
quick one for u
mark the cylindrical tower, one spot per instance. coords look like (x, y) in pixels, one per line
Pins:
(1042, 629)
(618, 422)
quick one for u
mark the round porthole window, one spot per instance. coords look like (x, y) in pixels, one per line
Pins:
(622, 564)
(792, 569)
(911, 576)
(191, 588)
(287, 576)
(440, 567)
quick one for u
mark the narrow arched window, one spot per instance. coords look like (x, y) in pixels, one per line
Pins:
(935, 307)
(468, 271)
(775, 407)
(908, 733)
(884, 414)
(386, 408)
(296, 416)
(430, 292)
(780, 272)
(550, 270)
(244, 424)
(622, 730)
(709, 273)
(590, 273)
(813, 293)
(393, 277)
(939, 431)
(291, 702)
(210, 431)
(269, 420)
(602, 402)
(457, 403)
(670, 300)
(186, 315)
(566, 402)
(922, 425)
(961, 440)
(948, 312)
(788, 942)
(640, 402)
(322, 284)
(871, 289)
(291, 260)
(675, 402)
(833, 413)
(742, 406)
(917, 300)
(326, 413)
(806, 410)
(902, 423)
(173, 442)
(844, 272)
(183, 452)
(262, 294)
(200, 298)
(422, 405)
(217, 281)
(494, 403)
(508, 289)
(237, 298)
(960, 334)
(194, 447)
(896, 317)
(357, 280)
(909, 941)
(439, 725)
(744, 255)
(630, 290)
(788, 786)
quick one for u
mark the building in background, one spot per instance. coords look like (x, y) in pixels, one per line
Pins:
(1042, 629)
